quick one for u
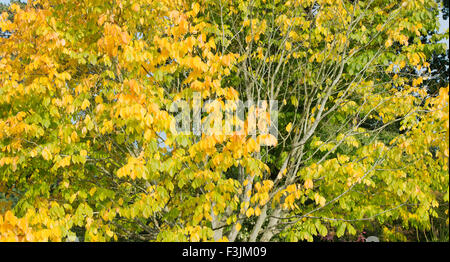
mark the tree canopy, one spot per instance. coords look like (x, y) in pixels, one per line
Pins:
(87, 147)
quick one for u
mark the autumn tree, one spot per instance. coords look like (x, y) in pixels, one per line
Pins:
(87, 141)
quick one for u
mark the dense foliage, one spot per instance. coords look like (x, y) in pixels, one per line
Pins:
(87, 147)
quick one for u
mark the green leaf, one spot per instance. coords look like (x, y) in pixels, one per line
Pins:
(341, 229)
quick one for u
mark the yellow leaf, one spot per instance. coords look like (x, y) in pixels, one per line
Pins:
(257, 211)
(109, 233)
(92, 191)
(294, 101)
(388, 43)
(33, 153)
(148, 135)
(125, 37)
(83, 153)
(402, 64)
(289, 127)
(342, 158)
(288, 46)
(98, 99)
(249, 212)
(85, 104)
(308, 183)
(196, 8)
(101, 20)
(267, 139)
(135, 7)
(414, 59)
(46, 154)
(238, 226)
(291, 188)
(252, 146)
(74, 136)
(319, 199)
(65, 161)
(11, 219)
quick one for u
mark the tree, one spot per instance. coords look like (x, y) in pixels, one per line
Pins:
(4, 8)
(438, 60)
(86, 125)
